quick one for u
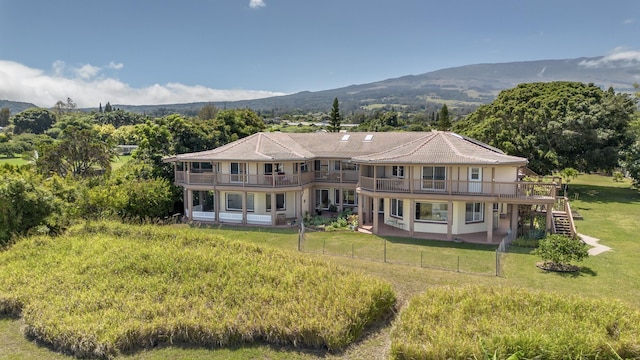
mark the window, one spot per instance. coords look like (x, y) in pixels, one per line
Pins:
(234, 202)
(321, 165)
(474, 212)
(426, 211)
(300, 167)
(396, 207)
(203, 200)
(198, 167)
(397, 171)
(280, 202)
(270, 168)
(238, 172)
(433, 177)
(349, 197)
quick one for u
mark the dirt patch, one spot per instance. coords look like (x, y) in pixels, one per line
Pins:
(551, 266)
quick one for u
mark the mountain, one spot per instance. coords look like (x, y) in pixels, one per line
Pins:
(462, 88)
(15, 106)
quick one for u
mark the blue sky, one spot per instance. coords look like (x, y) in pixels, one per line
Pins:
(152, 52)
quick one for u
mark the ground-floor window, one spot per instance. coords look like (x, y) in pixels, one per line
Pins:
(280, 202)
(349, 197)
(234, 202)
(396, 207)
(428, 211)
(474, 212)
(204, 200)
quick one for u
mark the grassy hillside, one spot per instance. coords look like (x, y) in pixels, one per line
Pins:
(107, 289)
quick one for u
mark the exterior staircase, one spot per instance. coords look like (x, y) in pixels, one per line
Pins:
(562, 224)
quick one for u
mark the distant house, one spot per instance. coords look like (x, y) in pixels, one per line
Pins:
(125, 149)
(416, 182)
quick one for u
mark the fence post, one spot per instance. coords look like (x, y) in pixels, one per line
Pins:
(384, 258)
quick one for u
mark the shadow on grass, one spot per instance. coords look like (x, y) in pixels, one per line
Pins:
(584, 271)
(603, 194)
(439, 243)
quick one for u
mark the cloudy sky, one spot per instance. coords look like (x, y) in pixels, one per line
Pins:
(159, 52)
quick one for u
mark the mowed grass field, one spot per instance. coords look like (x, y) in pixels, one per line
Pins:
(18, 161)
(610, 213)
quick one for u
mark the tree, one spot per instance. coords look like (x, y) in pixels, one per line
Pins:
(35, 121)
(444, 121)
(79, 152)
(335, 118)
(25, 204)
(207, 112)
(5, 115)
(558, 251)
(556, 125)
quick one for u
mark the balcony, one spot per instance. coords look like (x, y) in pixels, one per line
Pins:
(243, 180)
(504, 190)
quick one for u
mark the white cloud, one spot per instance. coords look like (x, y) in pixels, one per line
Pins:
(627, 21)
(87, 71)
(619, 57)
(115, 66)
(254, 4)
(22, 83)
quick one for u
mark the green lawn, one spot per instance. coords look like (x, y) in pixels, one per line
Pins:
(610, 213)
(16, 161)
(116, 163)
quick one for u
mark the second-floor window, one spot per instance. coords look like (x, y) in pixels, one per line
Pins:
(434, 177)
(234, 202)
(271, 168)
(397, 171)
(238, 172)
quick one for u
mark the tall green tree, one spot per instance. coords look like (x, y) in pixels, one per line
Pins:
(5, 115)
(444, 120)
(335, 118)
(34, 120)
(556, 125)
(78, 152)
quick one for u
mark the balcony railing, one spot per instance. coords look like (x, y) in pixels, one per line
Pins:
(460, 187)
(345, 176)
(243, 180)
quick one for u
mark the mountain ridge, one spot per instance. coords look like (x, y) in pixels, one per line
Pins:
(463, 87)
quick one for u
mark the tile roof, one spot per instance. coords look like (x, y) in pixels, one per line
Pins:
(435, 147)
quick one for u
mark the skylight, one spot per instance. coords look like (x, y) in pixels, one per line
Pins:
(369, 137)
(345, 137)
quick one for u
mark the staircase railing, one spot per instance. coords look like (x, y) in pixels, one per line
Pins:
(562, 204)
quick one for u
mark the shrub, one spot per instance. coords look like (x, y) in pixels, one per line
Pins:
(558, 249)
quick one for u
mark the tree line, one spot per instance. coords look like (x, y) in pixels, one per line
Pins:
(69, 175)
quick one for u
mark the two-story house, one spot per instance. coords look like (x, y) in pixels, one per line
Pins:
(418, 182)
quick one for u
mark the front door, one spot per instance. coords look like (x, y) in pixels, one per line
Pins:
(475, 179)
(322, 199)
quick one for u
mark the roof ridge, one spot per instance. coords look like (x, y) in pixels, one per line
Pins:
(428, 138)
(285, 146)
(258, 144)
(455, 149)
